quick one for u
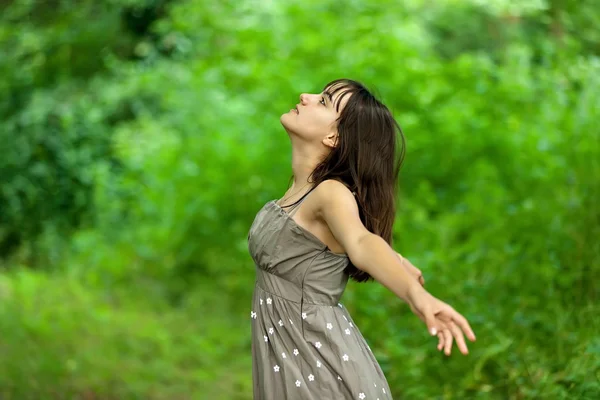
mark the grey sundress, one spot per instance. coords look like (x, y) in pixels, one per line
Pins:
(305, 344)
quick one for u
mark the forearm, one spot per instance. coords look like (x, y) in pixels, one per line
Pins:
(406, 266)
(379, 260)
(401, 259)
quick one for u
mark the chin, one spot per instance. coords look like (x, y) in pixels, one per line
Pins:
(284, 119)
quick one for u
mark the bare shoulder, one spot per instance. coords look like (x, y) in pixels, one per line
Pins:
(336, 206)
(333, 193)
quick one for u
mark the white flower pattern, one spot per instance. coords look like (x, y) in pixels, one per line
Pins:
(331, 316)
(318, 345)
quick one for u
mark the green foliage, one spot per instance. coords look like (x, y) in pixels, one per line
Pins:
(138, 145)
(67, 339)
(57, 126)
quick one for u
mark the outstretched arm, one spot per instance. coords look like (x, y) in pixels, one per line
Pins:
(372, 254)
(367, 251)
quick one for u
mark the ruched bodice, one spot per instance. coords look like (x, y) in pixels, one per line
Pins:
(287, 256)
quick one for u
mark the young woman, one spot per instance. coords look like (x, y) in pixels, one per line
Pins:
(334, 223)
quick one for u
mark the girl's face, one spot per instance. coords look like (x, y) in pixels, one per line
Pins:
(314, 119)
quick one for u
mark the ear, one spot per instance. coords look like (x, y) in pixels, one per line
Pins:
(331, 140)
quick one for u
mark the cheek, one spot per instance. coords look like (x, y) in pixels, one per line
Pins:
(314, 127)
(319, 122)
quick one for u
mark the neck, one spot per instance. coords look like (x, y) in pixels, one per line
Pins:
(304, 161)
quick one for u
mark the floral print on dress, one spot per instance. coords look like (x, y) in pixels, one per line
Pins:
(328, 359)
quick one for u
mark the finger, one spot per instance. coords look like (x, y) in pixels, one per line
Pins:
(459, 338)
(440, 345)
(464, 325)
(447, 342)
(431, 322)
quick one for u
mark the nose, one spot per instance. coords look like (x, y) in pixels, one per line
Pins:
(303, 98)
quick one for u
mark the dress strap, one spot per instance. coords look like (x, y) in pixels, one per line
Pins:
(294, 206)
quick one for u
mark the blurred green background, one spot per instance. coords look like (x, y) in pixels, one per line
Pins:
(138, 139)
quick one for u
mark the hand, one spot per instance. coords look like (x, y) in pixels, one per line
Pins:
(442, 321)
(412, 270)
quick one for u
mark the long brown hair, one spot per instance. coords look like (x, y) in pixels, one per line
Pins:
(367, 159)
